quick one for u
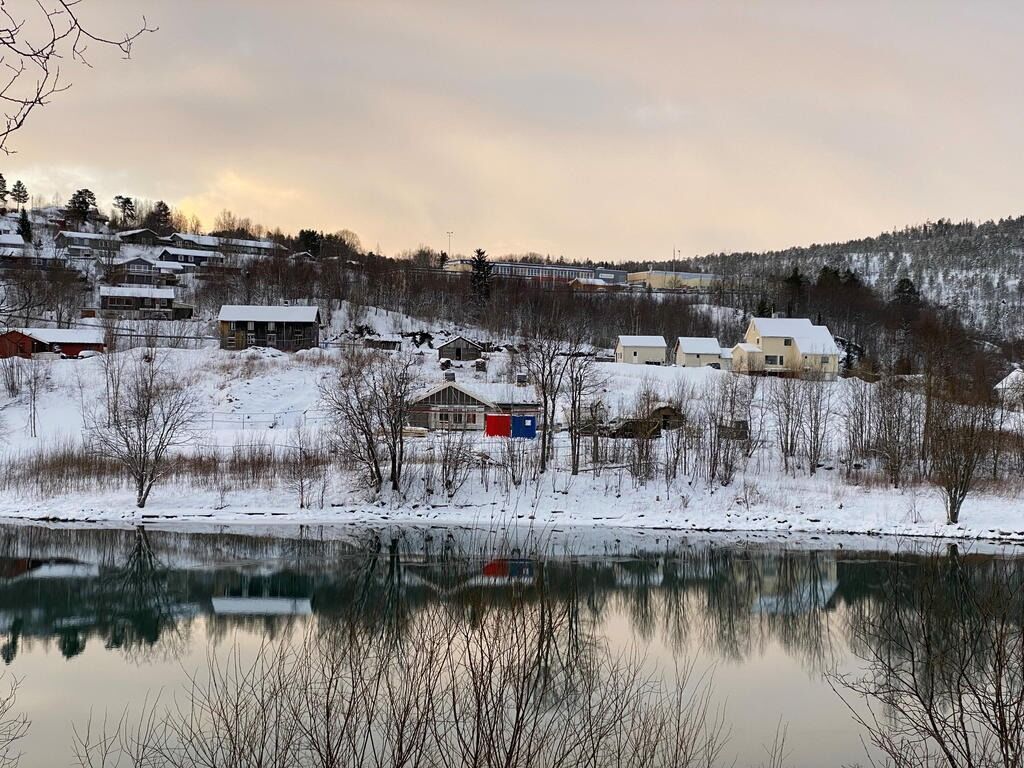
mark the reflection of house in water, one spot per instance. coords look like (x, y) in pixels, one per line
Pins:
(789, 586)
(262, 606)
(500, 573)
(14, 569)
(639, 573)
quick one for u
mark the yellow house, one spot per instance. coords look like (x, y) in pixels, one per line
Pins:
(664, 280)
(698, 351)
(641, 350)
(787, 345)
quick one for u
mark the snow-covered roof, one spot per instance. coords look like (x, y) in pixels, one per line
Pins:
(262, 606)
(65, 335)
(595, 281)
(809, 338)
(12, 241)
(1014, 381)
(725, 353)
(172, 266)
(490, 393)
(657, 342)
(747, 347)
(446, 342)
(699, 345)
(212, 241)
(191, 252)
(87, 235)
(388, 337)
(130, 232)
(235, 313)
(137, 291)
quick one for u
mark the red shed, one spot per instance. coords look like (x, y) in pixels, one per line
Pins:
(68, 342)
(498, 425)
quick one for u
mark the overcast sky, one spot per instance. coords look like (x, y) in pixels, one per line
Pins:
(581, 128)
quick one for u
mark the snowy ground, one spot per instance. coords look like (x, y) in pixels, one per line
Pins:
(261, 396)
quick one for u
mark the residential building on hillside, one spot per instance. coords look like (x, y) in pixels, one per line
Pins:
(697, 352)
(1010, 390)
(460, 348)
(145, 237)
(288, 328)
(562, 273)
(88, 245)
(139, 302)
(192, 258)
(142, 270)
(12, 245)
(64, 342)
(787, 346)
(641, 350)
(464, 405)
(227, 245)
(666, 280)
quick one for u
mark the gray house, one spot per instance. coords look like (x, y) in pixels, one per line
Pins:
(459, 348)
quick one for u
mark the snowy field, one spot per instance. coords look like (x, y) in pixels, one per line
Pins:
(262, 396)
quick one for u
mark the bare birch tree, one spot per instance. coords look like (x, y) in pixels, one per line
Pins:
(150, 411)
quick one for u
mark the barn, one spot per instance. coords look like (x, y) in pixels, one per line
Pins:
(459, 348)
(66, 342)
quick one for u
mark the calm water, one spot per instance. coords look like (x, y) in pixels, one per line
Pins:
(94, 621)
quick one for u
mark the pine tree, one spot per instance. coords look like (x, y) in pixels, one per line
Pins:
(480, 278)
(25, 227)
(3, 189)
(126, 206)
(80, 204)
(19, 193)
(159, 219)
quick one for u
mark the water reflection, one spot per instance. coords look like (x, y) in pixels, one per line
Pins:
(139, 592)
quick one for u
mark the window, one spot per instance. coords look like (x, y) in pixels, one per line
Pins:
(772, 360)
(250, 339)
(250, 326)
(270, 326)
(443, 417)
(271, 339)
(824, 359)
(457, 418)
(233, 325)
(634, 353)
(787, 342)
(471, 418)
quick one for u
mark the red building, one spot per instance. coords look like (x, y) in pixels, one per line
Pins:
(66, 342)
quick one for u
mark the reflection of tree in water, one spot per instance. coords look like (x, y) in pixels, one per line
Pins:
(943, 656)
(146, 616)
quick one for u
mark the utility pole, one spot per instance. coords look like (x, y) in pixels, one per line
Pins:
(450, 244)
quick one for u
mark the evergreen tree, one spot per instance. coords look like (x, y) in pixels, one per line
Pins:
(480, 278)
(3, 189)
(19, 193)
(80, 204)
(312, 241)
(126, 206)
(159, 219)
(25, 227)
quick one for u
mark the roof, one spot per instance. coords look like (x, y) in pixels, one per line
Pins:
(725, 353)
(12, 241)
(657, 342)
(64, 335)
(88, 235)
(1013, 381)
(809, 338)
(137, 291)
(130, 232)
(190, 252)
(744, 346)
(488, 392)
(597, 281)
(680, 275)
(171, 265)
(456, 338)
(234, 313)
(699, 345)
(215, 242)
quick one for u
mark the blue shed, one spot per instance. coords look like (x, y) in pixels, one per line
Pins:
(524, 426)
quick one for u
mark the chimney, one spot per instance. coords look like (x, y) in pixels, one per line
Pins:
(449, 375)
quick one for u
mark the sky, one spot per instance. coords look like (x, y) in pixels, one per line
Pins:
(575, 128)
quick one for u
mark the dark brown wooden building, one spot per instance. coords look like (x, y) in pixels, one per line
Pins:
(283, 327)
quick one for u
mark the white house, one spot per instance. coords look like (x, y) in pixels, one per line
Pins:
(699, 351)
(641, 350)
(1011, 389)
(787, 346)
